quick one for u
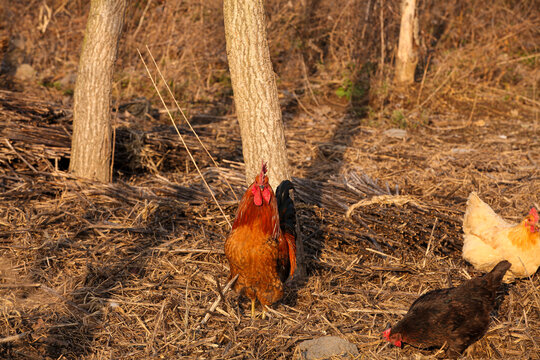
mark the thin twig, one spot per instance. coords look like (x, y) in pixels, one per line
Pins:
(20, 156)
(366, 18)
(423, 81)
(157, 324)
(216, 303)
(381, 253)
(141, 20)
(17, 286)
(189, 251)
(14, 337)
(437, 89)
(377, 311)
(534, 290)
(519, 59)
(429, 243)
(381, 20)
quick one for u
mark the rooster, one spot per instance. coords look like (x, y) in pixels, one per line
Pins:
(457, 316)
(489, 239)
(261, 247)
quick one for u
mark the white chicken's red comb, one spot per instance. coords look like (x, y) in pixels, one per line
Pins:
(386, 334)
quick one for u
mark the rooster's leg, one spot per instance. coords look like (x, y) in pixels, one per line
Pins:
(253, 308)
(263, 315)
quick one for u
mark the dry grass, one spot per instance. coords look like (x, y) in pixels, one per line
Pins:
(129, 269)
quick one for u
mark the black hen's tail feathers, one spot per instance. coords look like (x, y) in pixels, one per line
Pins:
(495, 276)
(287, 212)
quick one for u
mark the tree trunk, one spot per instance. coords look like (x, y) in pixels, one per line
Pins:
(91, 141)
(256, 97)
(255, 90)
(407, 57)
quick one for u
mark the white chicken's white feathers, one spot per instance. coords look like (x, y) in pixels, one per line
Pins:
(480, 217)
(486, 241)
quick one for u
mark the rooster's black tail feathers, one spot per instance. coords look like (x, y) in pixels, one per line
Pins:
(287, 212)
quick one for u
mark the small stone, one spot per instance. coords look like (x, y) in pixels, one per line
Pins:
(25, 72)
(396, 133)
(461, 150)
(68, 81)
(327, 347)
(480, 123)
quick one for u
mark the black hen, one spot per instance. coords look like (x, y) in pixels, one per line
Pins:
(457, 316)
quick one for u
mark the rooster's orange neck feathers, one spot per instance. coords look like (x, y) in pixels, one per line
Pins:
(259, 205)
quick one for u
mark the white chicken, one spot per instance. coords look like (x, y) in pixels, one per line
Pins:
(490, 239)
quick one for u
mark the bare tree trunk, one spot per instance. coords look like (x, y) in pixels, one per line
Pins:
(407, 57)
(91, 142)
(256, 97)
(255, 90)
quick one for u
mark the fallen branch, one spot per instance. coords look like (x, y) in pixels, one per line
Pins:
(14, 337)
(398, 200)
(16, 286)
(215, 304)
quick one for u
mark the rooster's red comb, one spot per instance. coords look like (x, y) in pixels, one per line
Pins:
(534, 214)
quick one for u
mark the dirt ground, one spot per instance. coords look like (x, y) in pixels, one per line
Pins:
(129, 269)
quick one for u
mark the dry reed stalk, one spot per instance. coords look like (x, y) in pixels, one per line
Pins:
(186, 119)
(183, 141)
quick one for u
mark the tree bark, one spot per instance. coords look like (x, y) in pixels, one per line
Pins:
(256, 98)
(255, 90)
(407, 57)
(92, 131)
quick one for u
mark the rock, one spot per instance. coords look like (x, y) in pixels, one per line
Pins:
(396, 133)
(137, 107)
(68, 81)
(18, 43)
(480, 123)
(326, 347)
(461, 150)
(25, 72)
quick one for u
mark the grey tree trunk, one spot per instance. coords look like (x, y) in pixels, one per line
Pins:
(256, 97)
(407, 56)
(92, 131)
(255, 90)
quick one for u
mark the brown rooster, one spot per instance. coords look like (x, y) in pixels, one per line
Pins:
(457, 316)
(261, 247)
